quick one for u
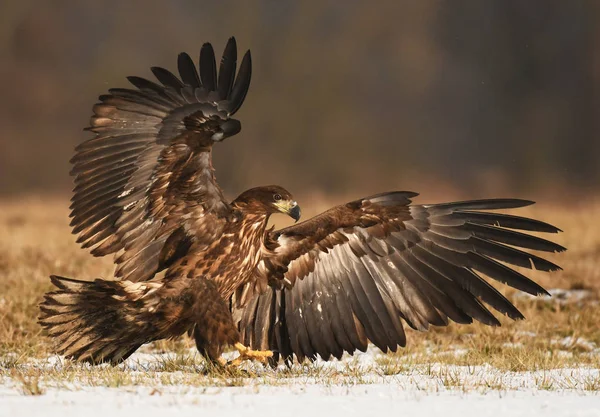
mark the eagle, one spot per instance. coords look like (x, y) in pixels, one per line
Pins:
(187, 260)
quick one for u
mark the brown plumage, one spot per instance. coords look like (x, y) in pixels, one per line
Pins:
(145, 192)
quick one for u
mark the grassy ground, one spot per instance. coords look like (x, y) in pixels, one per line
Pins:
(559, 332)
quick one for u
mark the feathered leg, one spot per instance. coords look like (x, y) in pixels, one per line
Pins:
(216, 329)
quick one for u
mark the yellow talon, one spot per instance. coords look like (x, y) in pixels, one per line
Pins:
(248, 354)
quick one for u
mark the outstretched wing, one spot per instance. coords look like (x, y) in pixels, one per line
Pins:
(144, 185)
(353, 272)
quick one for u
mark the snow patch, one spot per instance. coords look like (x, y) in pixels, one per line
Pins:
(378, 388)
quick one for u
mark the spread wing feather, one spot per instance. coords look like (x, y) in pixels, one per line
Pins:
(147, 172)
(355, 272)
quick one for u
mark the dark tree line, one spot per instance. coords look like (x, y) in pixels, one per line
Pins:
(344, 94)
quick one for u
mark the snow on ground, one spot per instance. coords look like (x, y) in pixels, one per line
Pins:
(298, 401)
(560, 296)
(423, 390)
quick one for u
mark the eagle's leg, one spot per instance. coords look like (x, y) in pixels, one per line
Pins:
(248, 354)
(214, 328)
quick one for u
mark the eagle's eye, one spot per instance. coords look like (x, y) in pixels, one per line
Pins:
(277, 197)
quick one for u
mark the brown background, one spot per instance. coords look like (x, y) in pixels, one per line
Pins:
(484, 97)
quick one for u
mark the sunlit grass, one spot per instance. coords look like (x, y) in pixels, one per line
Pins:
(557, 333)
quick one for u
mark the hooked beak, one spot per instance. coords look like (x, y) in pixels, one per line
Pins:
(291, 208)
(228, 128)
(295, 212)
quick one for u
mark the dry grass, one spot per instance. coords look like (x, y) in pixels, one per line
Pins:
(35, 241)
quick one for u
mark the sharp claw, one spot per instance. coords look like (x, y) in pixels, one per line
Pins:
(246, 353)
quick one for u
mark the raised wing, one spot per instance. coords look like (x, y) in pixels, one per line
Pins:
(144, 184)
(353, 272)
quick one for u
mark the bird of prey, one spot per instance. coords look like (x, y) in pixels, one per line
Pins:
(188, 260)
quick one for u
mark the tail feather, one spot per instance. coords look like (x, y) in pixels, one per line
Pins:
(100, 321)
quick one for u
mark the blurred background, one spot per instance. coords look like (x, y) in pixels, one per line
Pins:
(473, 98)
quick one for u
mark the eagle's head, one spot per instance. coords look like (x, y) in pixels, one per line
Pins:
(270, 199)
